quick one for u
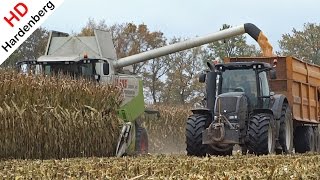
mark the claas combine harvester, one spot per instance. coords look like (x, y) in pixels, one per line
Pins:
(212, 130)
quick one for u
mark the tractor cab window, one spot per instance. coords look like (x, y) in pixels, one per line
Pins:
(240, 80)
(264, 88)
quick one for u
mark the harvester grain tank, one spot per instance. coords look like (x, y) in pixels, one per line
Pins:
(95, 58)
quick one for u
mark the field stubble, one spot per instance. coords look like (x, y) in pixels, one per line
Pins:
(167, 167)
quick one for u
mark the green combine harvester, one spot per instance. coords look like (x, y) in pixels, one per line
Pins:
(94, 57)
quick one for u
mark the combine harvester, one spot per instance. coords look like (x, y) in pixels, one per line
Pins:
(94, 57)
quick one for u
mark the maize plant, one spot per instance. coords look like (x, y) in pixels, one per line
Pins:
(56, 117)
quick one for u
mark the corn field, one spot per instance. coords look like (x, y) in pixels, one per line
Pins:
(56, 117)
(167, 132)
(167, 167)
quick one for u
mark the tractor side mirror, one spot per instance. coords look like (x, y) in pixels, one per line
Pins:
(273, 74)
(202, 78)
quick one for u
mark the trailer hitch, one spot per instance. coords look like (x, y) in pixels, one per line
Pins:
(217, 131)
(221, 132)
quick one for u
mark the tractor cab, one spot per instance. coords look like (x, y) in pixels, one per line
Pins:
(250, 78)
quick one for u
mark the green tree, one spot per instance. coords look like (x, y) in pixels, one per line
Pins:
(153, 75)
(31, 49)
(182, 84)
(232, 47)
(303, 44)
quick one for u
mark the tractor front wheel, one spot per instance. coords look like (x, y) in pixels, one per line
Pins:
(195, 125)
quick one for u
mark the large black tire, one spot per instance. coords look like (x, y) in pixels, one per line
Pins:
(196, 123)
(286, 130)
(304, 139)
(317, 138)
(141, 146)
(261, 134)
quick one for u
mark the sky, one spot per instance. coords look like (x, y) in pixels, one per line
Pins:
(189, 18)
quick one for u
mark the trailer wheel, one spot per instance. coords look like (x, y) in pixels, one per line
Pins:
(195, 125)
(286, 130)
(304, 139)
(142, 145)
(317, 139)
(261, 134)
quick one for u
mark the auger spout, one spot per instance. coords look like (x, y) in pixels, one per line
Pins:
(248, 28)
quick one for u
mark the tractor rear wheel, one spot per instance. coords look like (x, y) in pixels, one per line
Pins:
(141, 140)
(286, 130)
(304, 139)
(196, 123)
(261, 134)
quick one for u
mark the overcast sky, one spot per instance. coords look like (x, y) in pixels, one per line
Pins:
(189, 18)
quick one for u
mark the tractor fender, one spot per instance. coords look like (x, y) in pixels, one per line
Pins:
(268, 111)
(276, 108)
(204, 111)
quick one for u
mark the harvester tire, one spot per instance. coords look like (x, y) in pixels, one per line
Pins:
(261, 134)
(196, 123)
(304, 139)
(141, 140)
(286, 130)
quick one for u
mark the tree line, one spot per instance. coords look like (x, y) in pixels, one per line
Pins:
(174, 78)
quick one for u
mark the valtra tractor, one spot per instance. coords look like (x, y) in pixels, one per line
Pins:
(94, 57)
(248, 104)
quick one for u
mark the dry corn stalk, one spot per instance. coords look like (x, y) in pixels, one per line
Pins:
(56, 117)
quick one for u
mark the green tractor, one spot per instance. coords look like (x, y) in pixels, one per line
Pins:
(94, 57)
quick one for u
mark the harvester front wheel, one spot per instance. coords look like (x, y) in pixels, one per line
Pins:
(141, 140)
(286, 130)
(195, 125)
(261, 134)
